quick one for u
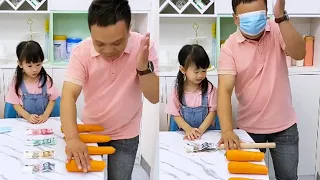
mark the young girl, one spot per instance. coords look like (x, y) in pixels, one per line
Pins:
(32, 92)
(193, 101)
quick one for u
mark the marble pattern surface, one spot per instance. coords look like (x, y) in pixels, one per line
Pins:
(176, 164)
(13, 145)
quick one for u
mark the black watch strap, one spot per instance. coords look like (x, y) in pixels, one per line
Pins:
(147, 71)
(285, 17)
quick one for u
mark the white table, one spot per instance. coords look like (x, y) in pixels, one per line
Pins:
(13, 145)
(175, 163)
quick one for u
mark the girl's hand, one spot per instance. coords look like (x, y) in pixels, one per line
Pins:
(43, 118)
(192, 134)
(33, 118)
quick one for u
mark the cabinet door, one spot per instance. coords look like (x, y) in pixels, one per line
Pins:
(58, 78)
(225, 7)
(163, 120)
(2, 94)
(170, 83)
(305, 7)
(305, 99)
(83, 5)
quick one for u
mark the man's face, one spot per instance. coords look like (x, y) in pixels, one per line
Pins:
(243, 8)
(111, 41)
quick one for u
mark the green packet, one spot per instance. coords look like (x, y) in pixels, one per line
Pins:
(39, 142)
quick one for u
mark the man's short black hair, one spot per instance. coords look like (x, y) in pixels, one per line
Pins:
(108, 12)
(235, 3)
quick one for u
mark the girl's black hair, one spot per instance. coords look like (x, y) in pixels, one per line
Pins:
(192, 55)
(29, 52)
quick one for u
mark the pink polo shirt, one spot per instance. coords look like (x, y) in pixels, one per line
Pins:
(193, 99)
(112, 96)
(262, 83)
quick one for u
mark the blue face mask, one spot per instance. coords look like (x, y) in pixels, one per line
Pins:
(253, 23)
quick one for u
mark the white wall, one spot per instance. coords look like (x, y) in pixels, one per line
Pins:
(150, 124)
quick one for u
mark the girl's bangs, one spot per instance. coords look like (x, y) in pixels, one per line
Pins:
(31, 54)
(198, 59)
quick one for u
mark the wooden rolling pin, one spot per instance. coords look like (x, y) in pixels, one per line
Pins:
(252, 146)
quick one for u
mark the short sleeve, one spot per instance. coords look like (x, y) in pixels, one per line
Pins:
(12, 97)
(53, 92)
(226, 61)
(76, 71)
(212, 99)
(173, 105)
(276, 30)
(153, 56)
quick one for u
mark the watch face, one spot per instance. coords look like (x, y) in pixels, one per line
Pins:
(151, 67)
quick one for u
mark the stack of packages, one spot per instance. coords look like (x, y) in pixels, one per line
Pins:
(95, 166)
(240, 162)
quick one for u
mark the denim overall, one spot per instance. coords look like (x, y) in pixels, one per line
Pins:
(194, 116)
(34, 103)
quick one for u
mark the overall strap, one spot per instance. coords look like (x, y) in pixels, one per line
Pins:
(205, 99)
(44, 88)
(23, 88)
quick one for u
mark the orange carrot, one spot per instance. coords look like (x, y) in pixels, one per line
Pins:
(95, 166)
(239, 178)
(94, 150)
(244, 156)
(247, 168)
(88, 128)
(94, 138)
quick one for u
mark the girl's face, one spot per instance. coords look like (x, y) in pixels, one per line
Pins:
(194, 74)
(31, 69)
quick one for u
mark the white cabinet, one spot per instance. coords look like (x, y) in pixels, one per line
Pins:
(305, 99)
(58, 78)
(163, 120)
(83, 5)
(303, 8)
(225, 7)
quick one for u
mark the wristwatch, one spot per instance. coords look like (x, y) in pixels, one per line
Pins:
(147, 71)
(285, 17)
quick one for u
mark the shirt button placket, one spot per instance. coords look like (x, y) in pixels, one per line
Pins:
(112, 68)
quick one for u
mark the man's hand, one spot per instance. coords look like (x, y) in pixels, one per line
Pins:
(79, 151)
(278, 9)
(143, 56)
(229, 139)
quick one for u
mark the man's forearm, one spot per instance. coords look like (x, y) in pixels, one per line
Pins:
(224, 111)
(69, 117)
(295, 45)
(149, 85)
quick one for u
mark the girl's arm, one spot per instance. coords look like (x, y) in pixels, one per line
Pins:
(182, 123)
(207, 121)
(49, 109)
(19, 109)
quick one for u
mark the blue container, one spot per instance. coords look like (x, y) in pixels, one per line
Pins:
(71, 43)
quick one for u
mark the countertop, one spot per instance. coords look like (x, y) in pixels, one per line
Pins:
(13, 145)
(175, 163)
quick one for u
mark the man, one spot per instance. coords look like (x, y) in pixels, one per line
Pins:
(113, 67)
(253, 60)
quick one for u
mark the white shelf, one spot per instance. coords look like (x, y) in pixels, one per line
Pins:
(8, 6)
(189, 7)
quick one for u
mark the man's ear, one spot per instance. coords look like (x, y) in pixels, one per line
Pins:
(236, 19)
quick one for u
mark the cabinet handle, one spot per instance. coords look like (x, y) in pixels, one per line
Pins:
(161, 94)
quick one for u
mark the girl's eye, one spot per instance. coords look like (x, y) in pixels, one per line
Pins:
(29, 66)
(38, 64)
